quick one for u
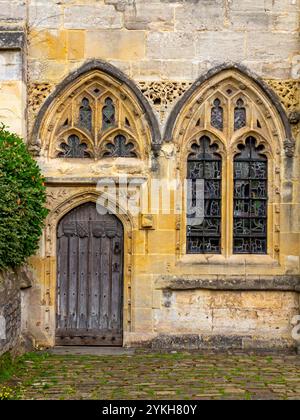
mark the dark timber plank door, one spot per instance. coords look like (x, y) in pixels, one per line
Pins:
(89, 278)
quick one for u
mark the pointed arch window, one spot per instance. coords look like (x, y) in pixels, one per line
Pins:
(108, 114)
(239, 115)
(204, 165)
(85, 115)
(250, 199)
(233, 125)
(217, 118)
(96, 108)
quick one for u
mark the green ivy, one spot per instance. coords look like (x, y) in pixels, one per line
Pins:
(22, 200)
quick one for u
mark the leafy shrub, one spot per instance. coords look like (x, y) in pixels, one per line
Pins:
(22, 199)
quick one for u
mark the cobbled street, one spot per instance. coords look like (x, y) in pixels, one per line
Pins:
(146, 376)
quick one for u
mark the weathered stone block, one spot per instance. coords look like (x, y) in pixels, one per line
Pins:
(180, 70)
(13, 10)
(142, 320)
(288, 21)
(124, 45)
(120, 5)
(220, 46)
(45, 14)
(139, 241)
(12, 39)
(92, 17)
(161, 242)
(142, 293)
(147, 69)
(10, 65)
(48, 71)
(170, 45)
(264, 6)
(202, 16)
(75, 44)
(270, 46)
(50, 45)
(12, 105)
(149, 16)
(250, 20)
(10, 312)
(276, 69)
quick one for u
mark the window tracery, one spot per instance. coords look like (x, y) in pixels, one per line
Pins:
(73, 148)
(119, 147)
(248, 119)
(90, 116)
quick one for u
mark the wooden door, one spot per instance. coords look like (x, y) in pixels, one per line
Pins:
(89, 278)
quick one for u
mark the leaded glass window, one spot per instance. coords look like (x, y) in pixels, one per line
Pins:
(119, 147)
(204, 163)
(217, 115)
(73, 148)
(250, 199)
(85, 115)
(108, 114)
(239, 115)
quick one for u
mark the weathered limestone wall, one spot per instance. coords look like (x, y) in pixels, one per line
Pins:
(232, 319)
(164, 46)
(10, 312)
(161, 40)
(13, 88)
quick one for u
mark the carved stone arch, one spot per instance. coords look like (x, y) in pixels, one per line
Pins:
(77, 198)
(58, 108)
(230, 79)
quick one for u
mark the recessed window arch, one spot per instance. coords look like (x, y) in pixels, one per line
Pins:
(250, 121)
(92, 106)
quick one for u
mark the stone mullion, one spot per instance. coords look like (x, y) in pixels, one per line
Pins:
(228, 205)
(96, 112)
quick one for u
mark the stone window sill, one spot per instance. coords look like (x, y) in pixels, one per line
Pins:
(233, 260)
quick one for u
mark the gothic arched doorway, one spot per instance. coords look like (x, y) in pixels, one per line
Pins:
(89, 278)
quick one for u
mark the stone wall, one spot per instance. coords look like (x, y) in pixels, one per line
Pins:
(12, 68)
(236, 319)
(161, 40)
(163, 46)
(10, 312)
(15, 310)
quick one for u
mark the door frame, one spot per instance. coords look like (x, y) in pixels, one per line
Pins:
(68, 339)
(49, 283)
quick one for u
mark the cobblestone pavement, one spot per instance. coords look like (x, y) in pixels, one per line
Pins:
(158, 376)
